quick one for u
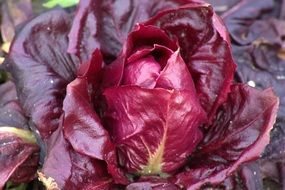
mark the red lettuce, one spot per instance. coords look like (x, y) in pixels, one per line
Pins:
(42, 68)
(106, 24)
(257, 31)
(19, 152)
(145, 100)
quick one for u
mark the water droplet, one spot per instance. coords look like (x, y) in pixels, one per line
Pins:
(280, 77)
(251, 83)
(51, 81)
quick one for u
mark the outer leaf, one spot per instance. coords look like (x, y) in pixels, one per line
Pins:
(147, 127)
(13, 13)
(205, 48)
(258, 49)
(42, 68)
(221, 6)
(261, 61)
(152, 183)
(251, 176)
(114, 20)
(19, 153)
(71, 170)
(11, 114)
(275, 152)
(238, 22)
(18, 157)
(248, 177)
(239, 134)
(82, 126)
(8, 93)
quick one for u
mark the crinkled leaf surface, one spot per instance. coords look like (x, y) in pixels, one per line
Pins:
(143, 152)
(42, 68)
(247, 177)
(147, 127)
(275, 151)
(257, 29)
(239, 134)
(238, 22)
(205, 50)
(261, 61)
(113, 21)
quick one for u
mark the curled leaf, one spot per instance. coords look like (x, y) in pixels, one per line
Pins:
(239, 134)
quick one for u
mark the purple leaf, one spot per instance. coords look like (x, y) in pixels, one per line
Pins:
(241, 16)
(19, 152)
(42, 68)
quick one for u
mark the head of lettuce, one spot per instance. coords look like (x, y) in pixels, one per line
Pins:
(136, 95)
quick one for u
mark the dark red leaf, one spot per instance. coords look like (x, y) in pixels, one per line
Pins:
(143, 42)
(71, 170)
(154, 129)
(106, 24)
(239, 134)
(83, 128)
(205, 47)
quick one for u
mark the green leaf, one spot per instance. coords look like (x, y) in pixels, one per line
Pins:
(63, 3)
(3, 75)
(11, 186)
(25, 135)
